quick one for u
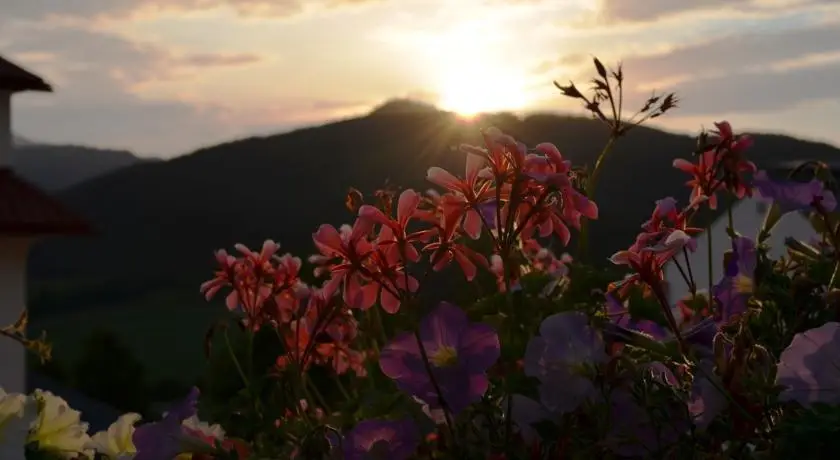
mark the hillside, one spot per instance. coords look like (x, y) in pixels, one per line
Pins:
(163, 219)
(159, 222)
(57, 167)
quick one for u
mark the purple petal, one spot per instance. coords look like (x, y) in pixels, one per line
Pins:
(707, 401)
(443, 326)
(745, 254)
(790, 195)
(401, 360)
(809, 367)
(571, 333)
(525, 412)
(479, 348)
(391, 439)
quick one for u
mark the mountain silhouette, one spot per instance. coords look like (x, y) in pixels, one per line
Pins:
(159, 222)
(56, 167)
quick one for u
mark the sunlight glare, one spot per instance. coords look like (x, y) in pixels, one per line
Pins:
(469, 93)
(471, 78)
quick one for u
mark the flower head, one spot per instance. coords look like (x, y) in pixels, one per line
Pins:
(18, 412)
(58, 428)
(164, 438)
(459, 354)
(737, 285)
(381, 440)
(566, 341)
(115, 442)
(794, 196)
(808, 367)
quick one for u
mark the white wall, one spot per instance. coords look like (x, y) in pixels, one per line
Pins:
(748, 216)
(13, 258)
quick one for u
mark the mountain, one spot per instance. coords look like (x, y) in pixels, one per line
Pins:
(159, 222)
(56, 167)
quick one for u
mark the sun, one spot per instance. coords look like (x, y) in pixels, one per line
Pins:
(469, 73)
(470, 93)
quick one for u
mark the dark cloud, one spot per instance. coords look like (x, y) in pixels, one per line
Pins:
(736, 53)
(613, 11)
(85, 9)
(754, 91)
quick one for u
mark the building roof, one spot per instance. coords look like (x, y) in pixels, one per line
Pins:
(26, 210)
(15, 78)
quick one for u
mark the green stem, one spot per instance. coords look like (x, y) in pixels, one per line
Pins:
(731, 229)
(711, 268)
(591, 184)
(509, 301)
(307, 385)
(233, 358)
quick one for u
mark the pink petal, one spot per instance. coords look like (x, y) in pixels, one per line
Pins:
(684, 165)
(443, 178)
(327, 239)
(407, 204)
(466, 264)
(474, 165)
(373, 213)
(390, 302)
(472, 224)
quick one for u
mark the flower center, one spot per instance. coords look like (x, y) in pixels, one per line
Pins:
(743, 284)
(445, 356)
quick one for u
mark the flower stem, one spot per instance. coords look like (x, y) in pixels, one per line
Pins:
(235, 360)
(433, 380)
(591, 184)
(711, 267)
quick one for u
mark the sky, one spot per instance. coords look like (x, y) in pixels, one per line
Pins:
(165, 77)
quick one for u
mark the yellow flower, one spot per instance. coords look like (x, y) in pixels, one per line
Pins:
(17, 412)
(58, 428)
(115, 443)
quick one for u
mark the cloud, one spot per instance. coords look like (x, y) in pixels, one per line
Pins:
(94, 9)
(756, 91)
(212, 60)
(738, 53)
(620, 11)
(98, 78)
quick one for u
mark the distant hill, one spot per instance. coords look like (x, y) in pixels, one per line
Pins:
(162, 220)
(159, 222)
(56, 167)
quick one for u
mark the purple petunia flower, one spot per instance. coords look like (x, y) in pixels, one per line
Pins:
(566, 341)
(162, 440)
(707, 400)
(699, 333)
(621, 317)
(635, 433)
(459, 355)
(737, 285)
(794, 196)
(809, 367)
(381, 439)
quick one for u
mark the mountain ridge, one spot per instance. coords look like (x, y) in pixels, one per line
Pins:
(283, 186)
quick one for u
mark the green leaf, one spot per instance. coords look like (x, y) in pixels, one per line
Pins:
(648, 308)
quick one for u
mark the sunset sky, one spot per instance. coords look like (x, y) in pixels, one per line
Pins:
(164, 77)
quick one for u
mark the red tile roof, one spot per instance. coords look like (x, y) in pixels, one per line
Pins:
(26, 210)
(15, 78)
